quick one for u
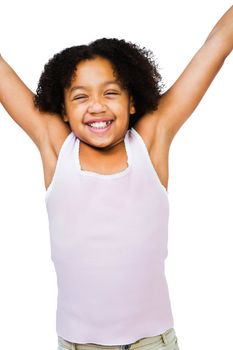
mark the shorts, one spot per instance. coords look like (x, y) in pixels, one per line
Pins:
(165, 341)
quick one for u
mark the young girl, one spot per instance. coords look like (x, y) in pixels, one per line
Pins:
(104, 129)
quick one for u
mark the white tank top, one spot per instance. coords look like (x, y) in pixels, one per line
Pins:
(109, 238)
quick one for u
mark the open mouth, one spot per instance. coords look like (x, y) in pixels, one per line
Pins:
(100, 127)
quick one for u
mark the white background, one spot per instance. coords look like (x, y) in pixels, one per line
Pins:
(200, 259)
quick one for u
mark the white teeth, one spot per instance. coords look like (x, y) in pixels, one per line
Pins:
(100, 125)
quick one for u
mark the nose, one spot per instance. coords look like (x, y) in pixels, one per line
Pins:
(96, 107)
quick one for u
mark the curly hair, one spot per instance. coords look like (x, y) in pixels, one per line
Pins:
(134, 66)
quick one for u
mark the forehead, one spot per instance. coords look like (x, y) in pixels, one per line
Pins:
(91, 71)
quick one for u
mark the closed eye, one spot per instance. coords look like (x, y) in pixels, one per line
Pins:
(108, 93)
(78, 98)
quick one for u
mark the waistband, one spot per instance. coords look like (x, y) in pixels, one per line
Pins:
(164, 338)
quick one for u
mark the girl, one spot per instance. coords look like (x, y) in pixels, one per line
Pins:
(104, 129)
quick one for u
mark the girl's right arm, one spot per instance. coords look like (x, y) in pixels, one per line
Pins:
(17, 99)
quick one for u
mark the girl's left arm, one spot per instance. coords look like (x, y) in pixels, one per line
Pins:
(178, 102)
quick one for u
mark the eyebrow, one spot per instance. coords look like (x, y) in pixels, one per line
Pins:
(76, 87)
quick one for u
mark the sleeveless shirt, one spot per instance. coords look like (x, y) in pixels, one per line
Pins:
(108, 238)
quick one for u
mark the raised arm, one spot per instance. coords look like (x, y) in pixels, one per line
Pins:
(178, 103)
(17, 99)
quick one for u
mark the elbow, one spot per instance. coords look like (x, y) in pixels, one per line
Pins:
(221, 42)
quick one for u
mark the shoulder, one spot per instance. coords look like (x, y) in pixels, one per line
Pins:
(152, 128)
(56, 132)
(157, 139)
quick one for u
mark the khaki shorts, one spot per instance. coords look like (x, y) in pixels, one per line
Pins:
(165, 341)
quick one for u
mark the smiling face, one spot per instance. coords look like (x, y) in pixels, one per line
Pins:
(95, 95)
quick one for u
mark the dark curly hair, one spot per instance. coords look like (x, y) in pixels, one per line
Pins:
(135, 68)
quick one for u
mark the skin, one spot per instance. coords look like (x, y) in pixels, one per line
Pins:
(157, 129)
(95, 100)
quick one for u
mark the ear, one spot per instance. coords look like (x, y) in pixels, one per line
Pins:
(132, 109)
(64, 116)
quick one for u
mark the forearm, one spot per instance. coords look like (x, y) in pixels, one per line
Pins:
(221, 36)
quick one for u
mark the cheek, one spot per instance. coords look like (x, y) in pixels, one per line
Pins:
(121, 107)
(75, 111)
